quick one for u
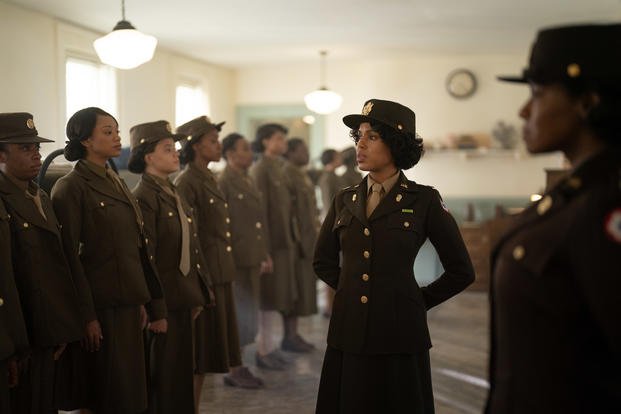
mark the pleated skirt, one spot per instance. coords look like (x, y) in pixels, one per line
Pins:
(375, 384)
(279, 289)
(216, 337)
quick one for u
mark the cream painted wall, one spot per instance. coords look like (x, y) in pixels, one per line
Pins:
(418, 81)
(34, 47)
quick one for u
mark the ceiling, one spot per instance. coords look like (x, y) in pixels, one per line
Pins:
(242, 32)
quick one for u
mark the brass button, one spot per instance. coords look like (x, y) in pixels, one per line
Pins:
(227, 220)
(226, 205)
(240, 196)
(228, 234)
(365, 277)
(211, 201)
(518, 252)
(198, 266)
(399, 197)
(366, 254)
(258, 224)
(364, 299)
(151, 257)
(26, 225)
(367, 232)
(101, 203)
(196, 251)
(170, 214)
(1, 302)
(195, 235)
(353, 198)
(406, 224)
(146, 240)
(229, 248)
(189, 219)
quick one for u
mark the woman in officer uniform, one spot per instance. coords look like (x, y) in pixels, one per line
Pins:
(103, 234)
(174, 242)
(40, 267)
(249, 241)
(377, 359)
(217, 335)
(555, 331)
(13, 337)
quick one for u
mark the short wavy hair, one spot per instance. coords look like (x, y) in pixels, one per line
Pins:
(406, 148)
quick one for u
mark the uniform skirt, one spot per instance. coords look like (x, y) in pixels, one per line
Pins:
(216, 335)
(4, 388)
(171, 366)
(112, 380)
(279, 289)
(34, 393)
(306, 303)
(246, 289)
(372, 384)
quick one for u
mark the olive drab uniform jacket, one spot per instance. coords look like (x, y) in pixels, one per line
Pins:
(247, 218)
(555, 302)
(13, 336)
(109, 262)
(162, 226)
(378, 307)
(42, 273)
(305, 212)
(200, 189)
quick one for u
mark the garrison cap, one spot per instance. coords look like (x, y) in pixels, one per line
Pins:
(149, 132)
(19, 128)
(589, 52)
(392, 114)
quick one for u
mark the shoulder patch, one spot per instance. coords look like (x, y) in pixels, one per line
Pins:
(612, 225)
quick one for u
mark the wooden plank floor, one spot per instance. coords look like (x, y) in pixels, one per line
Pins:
(459, 332)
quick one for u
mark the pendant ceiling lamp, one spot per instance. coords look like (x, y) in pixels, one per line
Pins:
(323, 101)
(125, 47)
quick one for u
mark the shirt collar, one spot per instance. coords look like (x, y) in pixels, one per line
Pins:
(387, 185)
(97, 169)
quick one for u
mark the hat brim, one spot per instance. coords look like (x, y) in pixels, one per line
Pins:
(512, 79)
(24, 140)
(353, 121)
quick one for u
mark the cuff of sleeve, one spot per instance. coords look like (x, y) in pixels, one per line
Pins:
(156, 309)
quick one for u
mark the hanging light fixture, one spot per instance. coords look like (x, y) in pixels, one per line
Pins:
(125, 47)
(323, 101)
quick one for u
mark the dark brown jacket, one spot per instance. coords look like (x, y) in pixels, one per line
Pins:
(379, 308)
(162, 227)
(247, 218)
(275, 188)
(304, 212)
(13, 336)
(555, 326)
(104, 245)
(42, 273)
(200, 190)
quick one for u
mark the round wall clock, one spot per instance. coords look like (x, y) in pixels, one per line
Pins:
(461, 83)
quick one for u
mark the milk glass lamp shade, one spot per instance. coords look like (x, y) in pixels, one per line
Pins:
(125, 47)
(323, 101)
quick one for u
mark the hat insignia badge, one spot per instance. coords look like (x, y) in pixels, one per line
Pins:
(367, 108)
(30, 123)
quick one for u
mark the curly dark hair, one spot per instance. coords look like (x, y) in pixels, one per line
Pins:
(604, 118)
(406, 148)
(229, 142)
(136, 163)
(79, 127)
(264, 132)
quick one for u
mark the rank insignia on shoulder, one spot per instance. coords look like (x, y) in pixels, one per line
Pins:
(612, 225)
(407, 210)
(353, 198)
(404, 185)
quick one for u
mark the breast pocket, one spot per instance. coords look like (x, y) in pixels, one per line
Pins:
(26, 233)
(404, 228)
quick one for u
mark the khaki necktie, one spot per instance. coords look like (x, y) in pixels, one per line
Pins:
(36, 199)
(118, 185)
(184, 261)
(374, 198)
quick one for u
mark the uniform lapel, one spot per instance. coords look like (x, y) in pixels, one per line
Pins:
(150, 183)
(25, 207)
(237, 181)
(356, 201)
(402, 194)
(99, 184)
